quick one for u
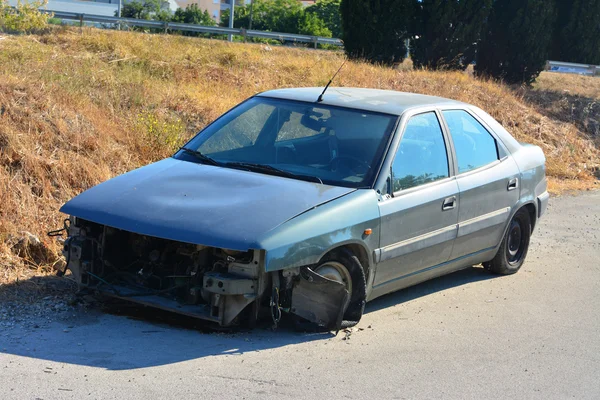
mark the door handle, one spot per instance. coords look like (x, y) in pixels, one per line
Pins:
(513, 184)
(449, 203)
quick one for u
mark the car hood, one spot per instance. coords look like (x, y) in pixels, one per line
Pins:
(201, 204)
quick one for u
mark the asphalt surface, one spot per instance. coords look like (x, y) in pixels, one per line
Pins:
(533, 335)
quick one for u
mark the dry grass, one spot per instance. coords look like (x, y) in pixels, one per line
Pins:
(569, 83)
(78, 108)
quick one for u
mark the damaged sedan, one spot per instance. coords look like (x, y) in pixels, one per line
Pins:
(309, 203)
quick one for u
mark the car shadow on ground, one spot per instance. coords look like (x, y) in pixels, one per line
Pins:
(459, 278)
(126, 337)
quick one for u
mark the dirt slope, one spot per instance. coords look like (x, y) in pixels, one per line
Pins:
(77, 108)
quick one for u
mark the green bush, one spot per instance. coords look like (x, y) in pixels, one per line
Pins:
(25, 18)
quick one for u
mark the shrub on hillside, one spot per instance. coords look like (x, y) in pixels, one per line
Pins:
(376, 30)
(24, 18)
(515, 44)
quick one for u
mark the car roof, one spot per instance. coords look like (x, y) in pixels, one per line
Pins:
(385, 101)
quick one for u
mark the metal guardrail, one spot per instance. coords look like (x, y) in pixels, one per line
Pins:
(573, 68)
(166, 26)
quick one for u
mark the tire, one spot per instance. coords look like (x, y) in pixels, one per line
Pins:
(358, 284)
(514, 246)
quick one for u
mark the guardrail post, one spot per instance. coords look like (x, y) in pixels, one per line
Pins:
(592, 69)
(81, 20)
(231, 18)
(243, 32)
(316, 42)
(166, 27)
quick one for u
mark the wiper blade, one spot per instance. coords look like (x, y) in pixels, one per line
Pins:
(272, 170)
(200, 156)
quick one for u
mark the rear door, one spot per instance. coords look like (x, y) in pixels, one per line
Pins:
(419, 218)
(488, 180)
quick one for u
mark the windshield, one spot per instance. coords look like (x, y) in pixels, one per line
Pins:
(309, 141)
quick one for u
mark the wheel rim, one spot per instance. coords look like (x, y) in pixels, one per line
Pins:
(516, 242)
(336, 272)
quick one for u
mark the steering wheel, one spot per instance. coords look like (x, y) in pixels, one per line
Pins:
(334, 164)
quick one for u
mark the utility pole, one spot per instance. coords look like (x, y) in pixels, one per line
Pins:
(231, 10)
(250, 23)
(119, 8)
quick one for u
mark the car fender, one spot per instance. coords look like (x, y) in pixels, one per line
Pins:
(306, 238)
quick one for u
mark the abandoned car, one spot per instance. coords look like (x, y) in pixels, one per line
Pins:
(311, 204)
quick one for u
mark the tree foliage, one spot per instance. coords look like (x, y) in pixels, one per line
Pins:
(515, 44)
(447, 31)
(329, 12)
(192, 14)
(376, 30)
(577, 32)
(287, 16)
(145, 9)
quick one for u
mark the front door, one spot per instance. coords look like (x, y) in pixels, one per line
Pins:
(419, 220)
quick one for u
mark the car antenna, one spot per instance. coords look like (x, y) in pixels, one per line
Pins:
(320, 99)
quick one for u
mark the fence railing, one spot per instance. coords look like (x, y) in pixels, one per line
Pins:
(173, 26)
(573, 68)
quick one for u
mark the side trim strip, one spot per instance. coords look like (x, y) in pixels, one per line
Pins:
(417, 243)
(434, 267)
(484, 221)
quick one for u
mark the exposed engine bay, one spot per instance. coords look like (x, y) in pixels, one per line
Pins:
(215, 284)
(226, 287)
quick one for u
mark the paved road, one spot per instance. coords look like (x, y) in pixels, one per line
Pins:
(533, 335)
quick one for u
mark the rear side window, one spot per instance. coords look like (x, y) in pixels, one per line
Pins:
(421, 156)
(474, 145)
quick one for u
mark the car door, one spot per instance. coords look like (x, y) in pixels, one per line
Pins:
(488, 181)
(419, 218)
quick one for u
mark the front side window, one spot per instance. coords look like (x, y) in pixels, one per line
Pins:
(474, 145)
(310, 141)
(422, 157)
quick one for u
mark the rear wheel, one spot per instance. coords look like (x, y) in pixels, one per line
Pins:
(514, 247)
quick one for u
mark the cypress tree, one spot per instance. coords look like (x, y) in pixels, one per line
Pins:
(577, 32)
(376, 30)
(515, 44)
(447, 32)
